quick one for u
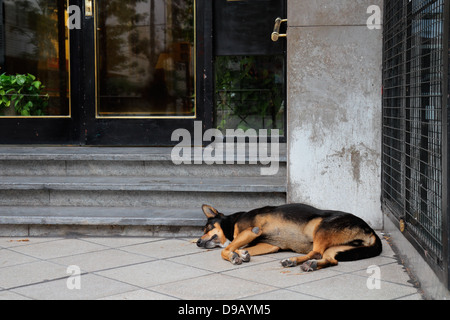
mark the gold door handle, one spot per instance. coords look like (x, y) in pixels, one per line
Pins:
(276, 29)
(88, 8)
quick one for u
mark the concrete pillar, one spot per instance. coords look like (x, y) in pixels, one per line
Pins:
(334, 106)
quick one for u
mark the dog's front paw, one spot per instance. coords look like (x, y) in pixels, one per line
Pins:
(308, 266)
(288, 263)
(235, 258)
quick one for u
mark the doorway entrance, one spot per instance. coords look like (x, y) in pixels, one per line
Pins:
(131, 72)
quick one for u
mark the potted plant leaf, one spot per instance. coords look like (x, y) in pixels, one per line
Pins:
(22, 94)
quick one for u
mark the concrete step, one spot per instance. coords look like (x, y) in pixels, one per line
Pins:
(75, 153)
(174, 184)
(25, 221)
(118, 216)
(149, 162)
(175, 192)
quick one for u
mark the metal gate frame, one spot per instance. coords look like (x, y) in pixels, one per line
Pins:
(415, 133)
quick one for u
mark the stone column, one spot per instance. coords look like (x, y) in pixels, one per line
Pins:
(334, 106)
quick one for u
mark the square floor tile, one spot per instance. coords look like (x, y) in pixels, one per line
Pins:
(152, 273)
(349, 287)
(213, 287)
(118, 242)
(415, 296)
(282, 294)
(362, 265)
(387, 249)
(141, 294)
(9, 242)
(30, 273)
(275, 275)
(101, 260)
(58, 248)
(11, 258)
(392, 272)
(164, 248)
(212, 260)
(9, 295)
(92, 287)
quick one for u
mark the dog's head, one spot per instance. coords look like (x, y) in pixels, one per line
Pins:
(213, 235)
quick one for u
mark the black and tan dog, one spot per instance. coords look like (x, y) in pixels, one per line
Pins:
(326, 237)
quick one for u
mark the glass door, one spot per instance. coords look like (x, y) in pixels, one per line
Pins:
(250, 69)
(36, 54)
(142, 61)
(145, 59)
(103, 72)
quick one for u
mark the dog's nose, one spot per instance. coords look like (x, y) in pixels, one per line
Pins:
(199, 242)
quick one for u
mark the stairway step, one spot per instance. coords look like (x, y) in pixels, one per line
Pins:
(92, 161)
(129, 168)
(117, 216)
(173, 184)
(75, 153)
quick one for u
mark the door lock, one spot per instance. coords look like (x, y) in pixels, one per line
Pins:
(88, 8)
(276, 29)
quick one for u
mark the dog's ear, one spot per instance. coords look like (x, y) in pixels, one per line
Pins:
(209, 211)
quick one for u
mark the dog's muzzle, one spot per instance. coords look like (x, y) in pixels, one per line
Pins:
(210, 243)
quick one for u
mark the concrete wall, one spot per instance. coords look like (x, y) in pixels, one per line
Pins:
(334, 107)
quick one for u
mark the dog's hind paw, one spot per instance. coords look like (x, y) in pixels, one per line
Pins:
(288, 263)
(308, 266)
(245, 256)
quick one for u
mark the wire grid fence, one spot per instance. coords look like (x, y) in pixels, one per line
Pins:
(412, 118)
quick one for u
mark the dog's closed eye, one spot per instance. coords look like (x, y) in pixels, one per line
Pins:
(208, 228)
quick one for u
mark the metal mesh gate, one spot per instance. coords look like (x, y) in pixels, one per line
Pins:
(415, 67)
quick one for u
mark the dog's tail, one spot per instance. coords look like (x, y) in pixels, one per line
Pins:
(361, 252)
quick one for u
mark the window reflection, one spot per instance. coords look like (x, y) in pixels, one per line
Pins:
(145, 51)
(34, 58)
(250, 92)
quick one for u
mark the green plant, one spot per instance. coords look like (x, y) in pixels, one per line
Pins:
(24, 93)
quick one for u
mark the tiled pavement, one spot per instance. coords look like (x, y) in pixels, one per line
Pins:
(174, 268)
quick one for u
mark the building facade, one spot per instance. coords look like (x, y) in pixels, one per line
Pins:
(95, 93)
